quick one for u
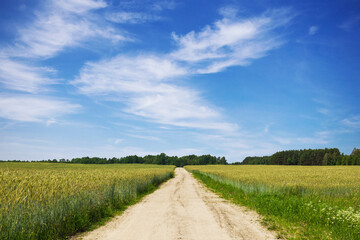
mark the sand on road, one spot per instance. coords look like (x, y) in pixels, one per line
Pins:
(182, 208)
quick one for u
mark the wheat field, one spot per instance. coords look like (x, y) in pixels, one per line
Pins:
(322, 201)
(50, 201)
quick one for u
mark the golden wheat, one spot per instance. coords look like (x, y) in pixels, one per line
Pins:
(40, 200)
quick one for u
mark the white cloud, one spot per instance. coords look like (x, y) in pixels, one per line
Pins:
(228, 12)
(58, 25)
(118, 140)
(51, 34)
(24, 77)
(226, 142)
(350, 23)
(318, 138)
(324, 111)
(283, 141)
(171, 103)
(123, 74)
(28, 108)
(144, 84)
(353, 122)
(210, 42)
(161, 5)
(139, 11)
(132, 17)
(313, 30)
(267, 127)
(79, 6)
(62, 24)
(230, 41)
(145, 137)
(148, 5)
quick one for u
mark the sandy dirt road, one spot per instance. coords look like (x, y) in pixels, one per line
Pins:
(182, 208)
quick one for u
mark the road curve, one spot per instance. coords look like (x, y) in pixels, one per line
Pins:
(182, 208)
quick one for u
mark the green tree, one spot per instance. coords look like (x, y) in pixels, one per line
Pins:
(355, 152)
(325, 159)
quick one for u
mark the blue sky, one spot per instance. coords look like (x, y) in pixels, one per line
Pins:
(228, 78)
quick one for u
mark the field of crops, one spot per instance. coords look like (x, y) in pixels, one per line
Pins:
(305, 202)
(50, 201)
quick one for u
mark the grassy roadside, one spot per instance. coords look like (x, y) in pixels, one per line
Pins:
(289, 212)
(118, 211)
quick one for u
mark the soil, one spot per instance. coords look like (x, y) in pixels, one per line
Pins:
(182, 208)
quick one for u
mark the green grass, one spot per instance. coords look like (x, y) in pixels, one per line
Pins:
(292, 211)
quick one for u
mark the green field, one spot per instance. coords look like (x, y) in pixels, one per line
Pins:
(299, 202)
(52, 201)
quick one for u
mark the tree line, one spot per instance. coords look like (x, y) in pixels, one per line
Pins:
(309, 157)
(161, 159)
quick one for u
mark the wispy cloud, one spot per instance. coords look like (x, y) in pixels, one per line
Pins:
(229, 12)
(25, 77)
(353, 122)
(117, 140)
(149, 91)
(283, 140)
(324, 111)
(128, 74)
(134, 12)
(161, 5)
(132, 17)
(145, 137)
(151, 5)
(146, 83)
(313, 30)
(349, 24)
(62, 24)
(58, 25)
(231, 41)
(79, 6)
(28, 108)
(319, 138)
(267, 127)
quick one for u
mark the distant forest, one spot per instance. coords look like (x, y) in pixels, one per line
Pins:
(309, 157)
(161, 159)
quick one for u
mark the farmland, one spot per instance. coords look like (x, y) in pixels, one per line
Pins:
(299, 202)
(44, 200)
